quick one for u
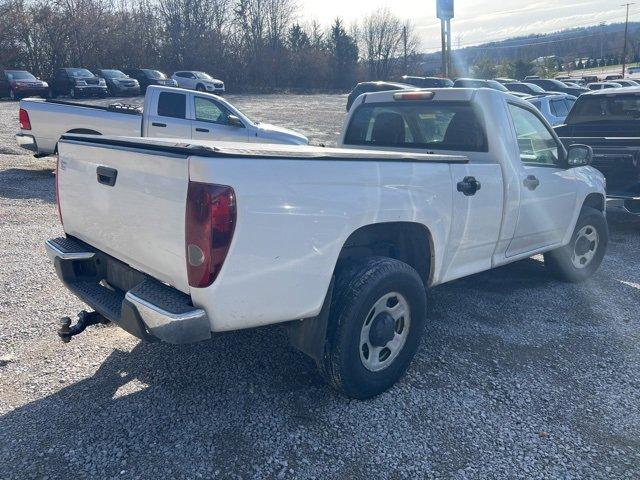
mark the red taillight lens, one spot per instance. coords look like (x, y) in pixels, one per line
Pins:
(210, 222)
(58, 190)
(25, 123)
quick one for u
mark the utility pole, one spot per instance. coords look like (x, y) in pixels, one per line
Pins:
(404, 39)
(444, 11)
(443, 38)
(626, 29)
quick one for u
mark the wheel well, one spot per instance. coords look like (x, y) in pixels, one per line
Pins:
(199, 85)
(594, 200)
(405, 241)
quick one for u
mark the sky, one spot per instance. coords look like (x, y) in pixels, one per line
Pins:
(477, 21)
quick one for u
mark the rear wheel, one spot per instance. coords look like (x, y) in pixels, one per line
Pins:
(376, 322)
(12, 94)
(578, 260)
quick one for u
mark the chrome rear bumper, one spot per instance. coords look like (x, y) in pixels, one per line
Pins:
(141, 305)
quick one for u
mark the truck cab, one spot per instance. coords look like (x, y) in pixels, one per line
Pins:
(529, 187)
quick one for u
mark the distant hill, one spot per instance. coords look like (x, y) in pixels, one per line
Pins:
(595, 42)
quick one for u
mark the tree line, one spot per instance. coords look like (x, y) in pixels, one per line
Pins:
(257, 45)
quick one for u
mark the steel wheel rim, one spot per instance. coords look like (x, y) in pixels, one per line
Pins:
(585, 246)
(12, 94)
(376, 358)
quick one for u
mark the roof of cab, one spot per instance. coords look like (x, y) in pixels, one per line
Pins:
(614, 91)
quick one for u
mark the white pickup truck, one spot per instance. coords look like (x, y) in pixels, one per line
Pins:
(174, 241)
(167, 113)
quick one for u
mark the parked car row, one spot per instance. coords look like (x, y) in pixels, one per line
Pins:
(81, 82)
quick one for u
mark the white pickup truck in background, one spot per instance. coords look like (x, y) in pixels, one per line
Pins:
(167, 113)
(340, 245)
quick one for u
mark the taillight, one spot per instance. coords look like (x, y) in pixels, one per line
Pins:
(25, 123)
(210, 221)
(58, 190)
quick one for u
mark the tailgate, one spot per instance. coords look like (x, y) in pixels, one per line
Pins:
(140, 218)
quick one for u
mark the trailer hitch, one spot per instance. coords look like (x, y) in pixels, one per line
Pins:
(85, 319)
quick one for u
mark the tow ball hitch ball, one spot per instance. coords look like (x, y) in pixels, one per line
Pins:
(85, 319)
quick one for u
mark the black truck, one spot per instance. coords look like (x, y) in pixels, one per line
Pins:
(609, 122)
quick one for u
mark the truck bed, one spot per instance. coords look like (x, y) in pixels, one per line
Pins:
(296, 207)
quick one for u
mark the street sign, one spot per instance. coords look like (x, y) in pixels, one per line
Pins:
(444, 9)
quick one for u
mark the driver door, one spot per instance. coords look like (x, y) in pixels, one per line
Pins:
(547, 191)
(211, 122)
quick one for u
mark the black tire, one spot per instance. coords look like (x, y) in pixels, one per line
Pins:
(13, 95)
(200, 88)
(561, 260)
(358, 286)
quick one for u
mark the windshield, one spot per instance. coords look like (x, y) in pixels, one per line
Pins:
(155, 74)
(79, 72)
(203, 76)
(497, 86)
(113, 74)
(535, 88)
(19, 75)
(597, 107)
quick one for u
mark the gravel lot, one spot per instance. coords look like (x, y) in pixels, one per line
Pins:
(520, 376)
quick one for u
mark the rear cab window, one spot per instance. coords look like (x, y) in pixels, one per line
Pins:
(172, 105)
(592, 108)
(451, 126)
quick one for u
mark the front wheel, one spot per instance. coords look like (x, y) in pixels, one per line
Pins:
(200, 88)
(376, 321)
(578, 260)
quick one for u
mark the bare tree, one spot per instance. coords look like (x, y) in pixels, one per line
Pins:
(381, 39)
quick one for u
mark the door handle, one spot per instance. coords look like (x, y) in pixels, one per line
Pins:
(107, 176)
(204, 130)
(468, 186)
(156, 124)
(531, 182)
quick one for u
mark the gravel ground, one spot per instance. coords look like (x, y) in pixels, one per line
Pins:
(519, 376)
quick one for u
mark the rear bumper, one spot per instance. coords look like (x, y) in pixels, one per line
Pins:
(141, 305)
(27, 142)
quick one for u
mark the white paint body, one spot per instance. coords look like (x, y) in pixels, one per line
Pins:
(295, 213)
(51, 120)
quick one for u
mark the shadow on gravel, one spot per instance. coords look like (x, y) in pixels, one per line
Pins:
(509, 346)
(22, 183)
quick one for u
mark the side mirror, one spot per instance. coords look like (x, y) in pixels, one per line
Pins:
(579, 155)
(234, 121)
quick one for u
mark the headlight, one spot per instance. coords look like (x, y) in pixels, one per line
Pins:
(101, 82)
(45, 84)
(80, 82)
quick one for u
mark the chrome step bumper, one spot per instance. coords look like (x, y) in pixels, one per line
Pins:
(139, 304)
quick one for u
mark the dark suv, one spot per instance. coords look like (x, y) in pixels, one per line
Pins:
(551, 85)
(367, 87)
(147, 76)
(77, 82)
(118, 83)
(16, 84)
(427, 82)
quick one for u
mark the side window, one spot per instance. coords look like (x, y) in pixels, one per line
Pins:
(207, 110)
(559, 108)
(536, 143)
(172, 105)
(181, 75)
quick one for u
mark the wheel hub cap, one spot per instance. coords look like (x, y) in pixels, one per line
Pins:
(585, 246)
(384, 331)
